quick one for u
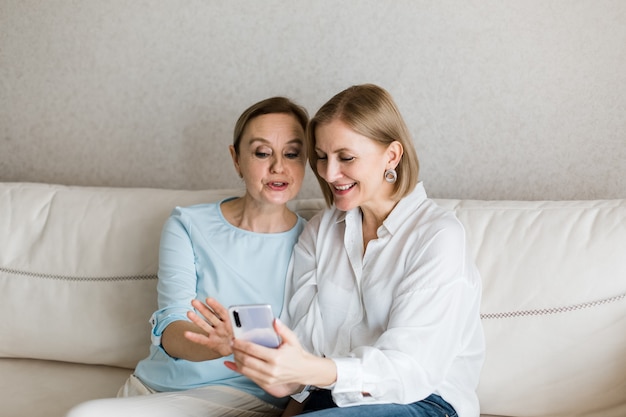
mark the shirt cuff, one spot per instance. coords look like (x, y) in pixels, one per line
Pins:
(302, 395)
(155, 335)
(349, 384)
(159, 321)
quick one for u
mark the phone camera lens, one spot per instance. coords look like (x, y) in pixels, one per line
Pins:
(236, 316)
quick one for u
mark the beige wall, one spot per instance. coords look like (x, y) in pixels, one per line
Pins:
(520, 99)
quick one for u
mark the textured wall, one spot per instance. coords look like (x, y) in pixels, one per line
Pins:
(521, 99)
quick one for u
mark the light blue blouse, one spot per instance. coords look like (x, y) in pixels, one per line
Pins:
(201, 255)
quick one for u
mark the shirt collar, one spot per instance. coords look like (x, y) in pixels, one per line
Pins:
(405, 207)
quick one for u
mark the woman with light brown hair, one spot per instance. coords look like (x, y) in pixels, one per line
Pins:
(236, 251)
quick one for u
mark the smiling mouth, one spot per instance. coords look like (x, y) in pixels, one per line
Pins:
(278, 185)
(344, 187)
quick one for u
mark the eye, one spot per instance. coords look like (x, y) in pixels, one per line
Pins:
(321, 157)
(346, 158)
(293, 154)
(262, 153)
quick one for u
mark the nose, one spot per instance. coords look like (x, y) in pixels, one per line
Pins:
(329, 170)
(277, 166)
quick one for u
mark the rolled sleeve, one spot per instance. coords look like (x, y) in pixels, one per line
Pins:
(162, 318)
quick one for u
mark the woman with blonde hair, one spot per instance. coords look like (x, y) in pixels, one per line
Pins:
(384, 297)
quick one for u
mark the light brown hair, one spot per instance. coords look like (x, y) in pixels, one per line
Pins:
(270, 105)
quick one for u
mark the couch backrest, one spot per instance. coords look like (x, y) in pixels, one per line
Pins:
(78, 269)
(78, 283)
(554, 305)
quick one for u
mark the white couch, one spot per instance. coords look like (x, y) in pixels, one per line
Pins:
(78, 274)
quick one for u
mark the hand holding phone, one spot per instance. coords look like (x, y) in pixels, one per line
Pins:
(255, 323)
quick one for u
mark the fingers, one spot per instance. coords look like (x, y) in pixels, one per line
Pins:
(244, 348)
(213, 314)
(212, 320)
(206, 311)
(263, 373)
(198, 338)
(232, 366)
(249, 355)
(285, 333)
(218, 310)
(198, 321)
(254, 368)
(257, 362)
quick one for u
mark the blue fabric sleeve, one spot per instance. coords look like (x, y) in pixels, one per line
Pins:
(177, 276)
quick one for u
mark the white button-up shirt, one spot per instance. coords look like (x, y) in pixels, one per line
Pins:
(400, 319)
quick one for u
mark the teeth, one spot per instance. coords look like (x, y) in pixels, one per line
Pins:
(278, 184)
(343, 187)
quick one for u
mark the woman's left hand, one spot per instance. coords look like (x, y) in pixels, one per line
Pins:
(215, 323)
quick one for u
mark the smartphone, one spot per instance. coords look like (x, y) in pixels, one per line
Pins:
(255, 323)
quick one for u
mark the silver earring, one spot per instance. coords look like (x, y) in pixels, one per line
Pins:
(391, 175)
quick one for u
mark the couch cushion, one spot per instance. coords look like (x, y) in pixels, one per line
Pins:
(554, 305)
(34, 388)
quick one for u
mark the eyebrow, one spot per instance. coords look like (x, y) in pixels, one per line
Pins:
(296, 141)
(335, 150)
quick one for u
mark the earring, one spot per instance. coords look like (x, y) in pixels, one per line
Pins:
(391, 175)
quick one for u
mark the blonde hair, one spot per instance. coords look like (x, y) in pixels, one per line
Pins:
(370, 111)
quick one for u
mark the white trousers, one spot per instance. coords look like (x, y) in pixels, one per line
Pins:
(137, 400)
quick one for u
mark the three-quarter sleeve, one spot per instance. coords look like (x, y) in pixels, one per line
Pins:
(177, 284)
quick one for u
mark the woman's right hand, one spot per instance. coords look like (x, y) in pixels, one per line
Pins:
(215, 323)
(281, 371)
